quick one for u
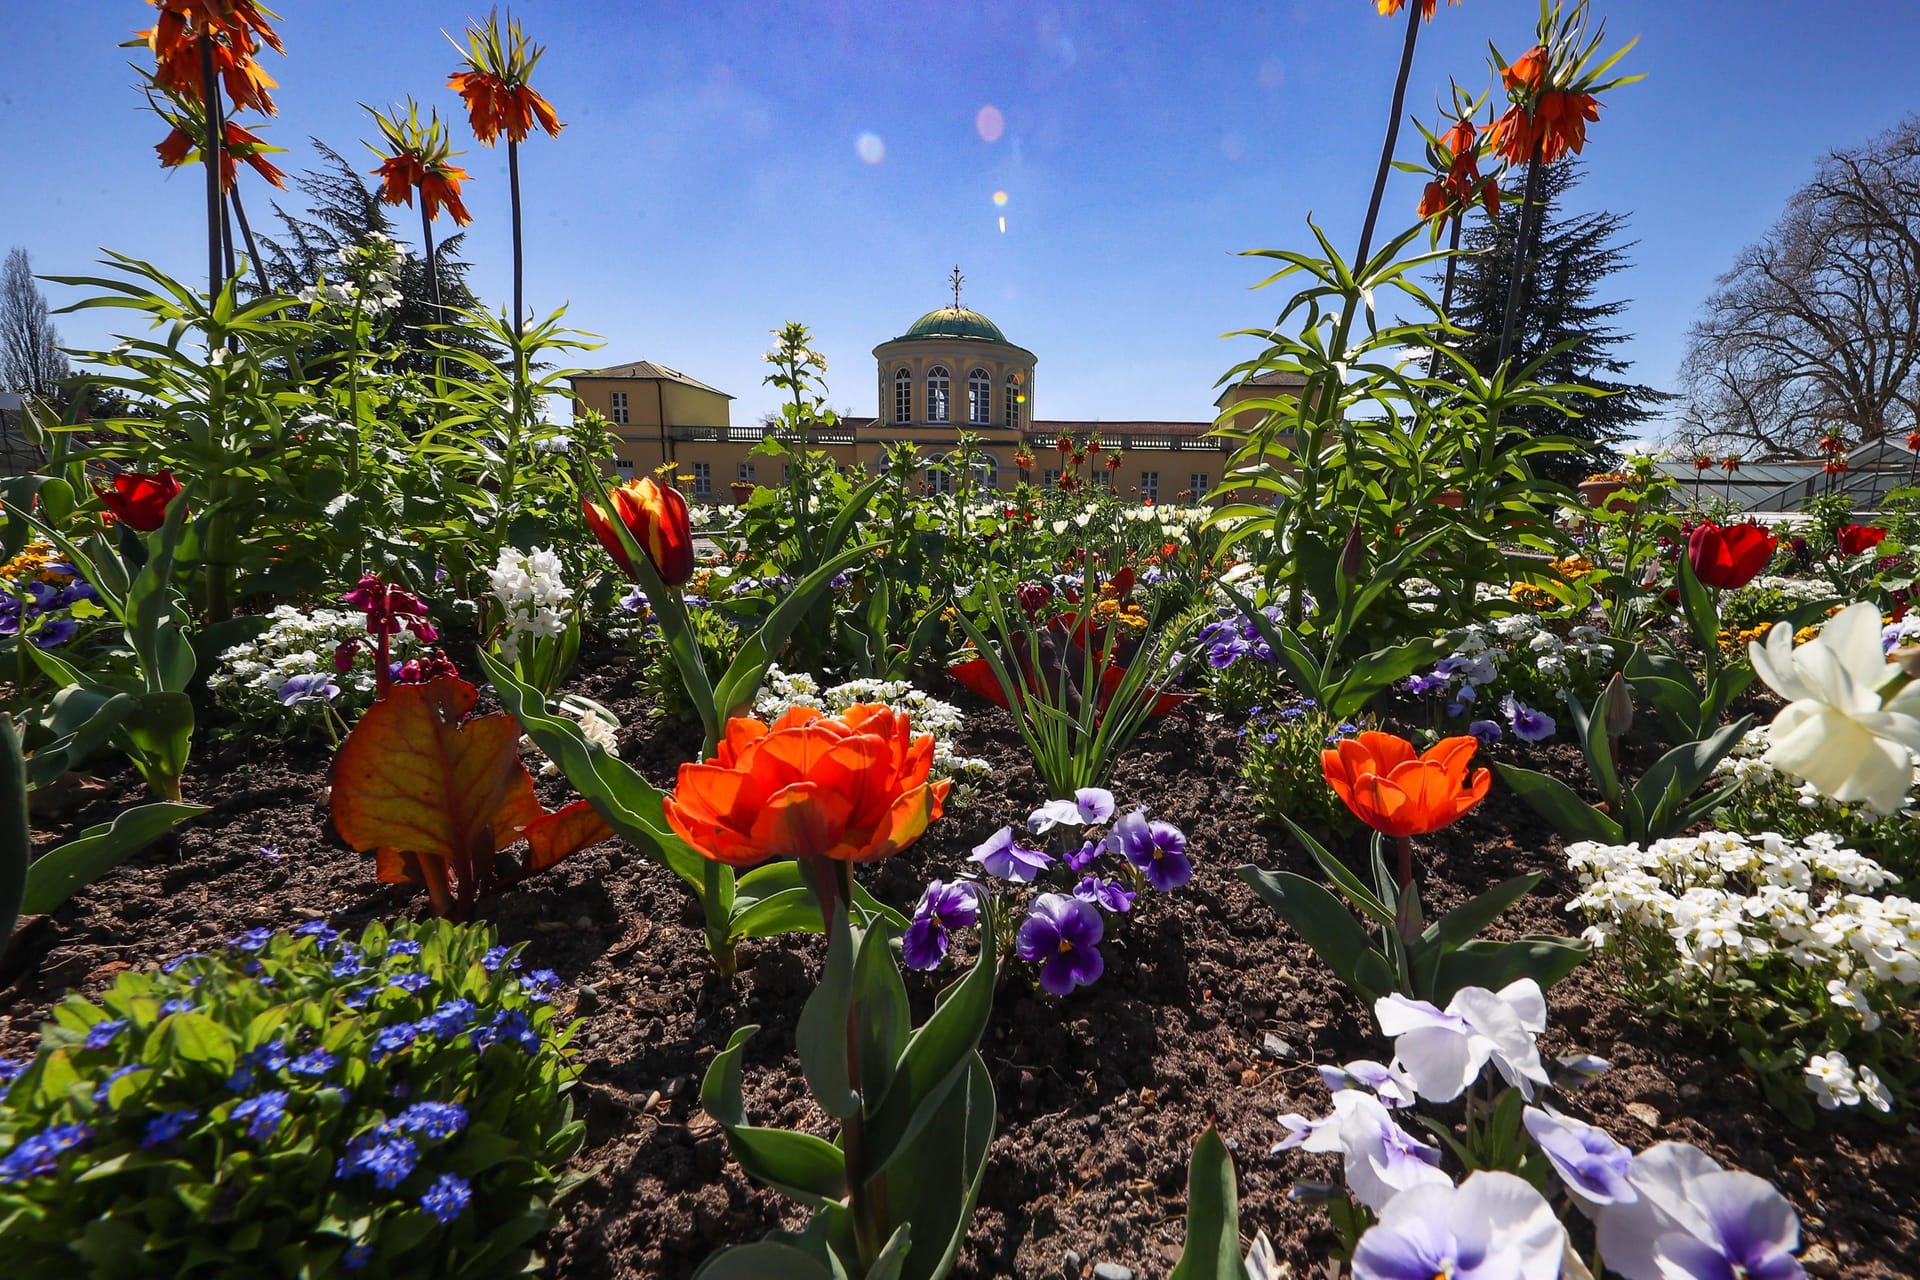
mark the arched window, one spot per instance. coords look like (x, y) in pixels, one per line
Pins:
(937, 393)
(903, 397)
(986, 471)
(1013, 400)
(979, 397)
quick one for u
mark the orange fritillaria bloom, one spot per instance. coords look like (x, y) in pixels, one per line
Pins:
(494, 84)
(1400, 793)
(182, 146)
(419, 156)
(1542, 119)
(1388, 8)
(235, 27)
(852, 788)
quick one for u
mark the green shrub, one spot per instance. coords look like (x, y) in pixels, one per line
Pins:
(1282, 765)
(294, 1104)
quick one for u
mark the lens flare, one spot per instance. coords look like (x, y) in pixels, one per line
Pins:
(869, 148)
(989, 123)
(1003, 225)
(999, 199)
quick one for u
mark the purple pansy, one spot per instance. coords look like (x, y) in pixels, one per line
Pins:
(1062, 935)
(1003, 856)
(1380, 1158)
(317, 687)
(941, 909)
(1528, 725)
(1487, 731)
(1493, 1224)
(1590, 1163)
(1694, 1219)
(1088, 806)
(1158, 849)
(1108, 895)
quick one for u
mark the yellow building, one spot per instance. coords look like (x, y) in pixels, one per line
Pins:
(952, 370)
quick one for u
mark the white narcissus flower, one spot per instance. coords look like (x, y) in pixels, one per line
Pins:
(1835, 731)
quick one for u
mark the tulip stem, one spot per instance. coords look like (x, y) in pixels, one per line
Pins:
(1404, 846)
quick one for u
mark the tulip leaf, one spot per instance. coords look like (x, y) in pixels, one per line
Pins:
(1324, 924)
(882, 1019)
(1555, 801)
(1368, 674)
(736, 690)
(1212, 1249)
(57, 876)
(811, 1170)
(1350, 884)
(1464, 923)
(936, 1052)
(1484, 963)
(1686, 766)
(625, 800)
(416, 775)
(16, 836)
(1697, 604)
(767, 1260)
(821, 1035)
(932, 1182)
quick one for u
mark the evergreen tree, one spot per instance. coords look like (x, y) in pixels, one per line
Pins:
(1559, 301)
(343, 210)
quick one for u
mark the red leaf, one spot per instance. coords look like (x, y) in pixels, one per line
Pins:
(977, 674)
(552, 836)
(416, 777)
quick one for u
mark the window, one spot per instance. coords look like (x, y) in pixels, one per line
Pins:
(1050, 478)
(1197, 482)
(937, 394)
(939, 480)
(703, 479)
(786, 472)
(979, 397)
(903, 397)
(745, 471)
(1104, 478)
(1013, 399)
(623, 467)
(620, 408)
(1150, 486)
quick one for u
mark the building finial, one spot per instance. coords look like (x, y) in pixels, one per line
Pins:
(956, 279)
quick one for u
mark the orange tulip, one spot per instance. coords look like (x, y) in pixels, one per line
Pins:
(851, 788)
(656, 515)
(1400, 793)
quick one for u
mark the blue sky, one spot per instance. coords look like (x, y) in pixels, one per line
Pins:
(712, 183)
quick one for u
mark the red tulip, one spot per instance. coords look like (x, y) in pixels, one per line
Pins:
(1855, 538)
(656, 516)
(140, 501)
(1730, 556)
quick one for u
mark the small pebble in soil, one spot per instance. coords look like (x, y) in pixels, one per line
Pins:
(1112, 1271)
(1274, 1047)
(586, 999)
(1071, 1265)
(1820, 1261)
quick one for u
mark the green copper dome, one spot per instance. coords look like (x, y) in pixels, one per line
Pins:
(955, 322)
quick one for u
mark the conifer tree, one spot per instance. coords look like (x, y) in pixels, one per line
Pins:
(343, 210)
(1560, 300)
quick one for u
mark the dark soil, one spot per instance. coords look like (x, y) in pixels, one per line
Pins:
(1100, 1095)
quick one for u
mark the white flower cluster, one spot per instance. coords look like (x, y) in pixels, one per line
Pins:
(251, 676)
(1837, 1083)
(1521, 639)
(782, 690)
(533, 599)
(1720, 910)
(370, 272)
(1792, 588)
(597, 725)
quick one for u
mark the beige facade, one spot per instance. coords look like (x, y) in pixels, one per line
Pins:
(952, 370)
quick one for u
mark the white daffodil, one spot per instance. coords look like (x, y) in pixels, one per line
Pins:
(1837, 731)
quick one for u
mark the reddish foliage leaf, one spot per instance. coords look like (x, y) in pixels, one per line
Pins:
(552, 836)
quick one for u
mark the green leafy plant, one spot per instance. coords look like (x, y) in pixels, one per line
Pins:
(1663, 802)
(1390, 946)
(295, 1103)
(893, 1195)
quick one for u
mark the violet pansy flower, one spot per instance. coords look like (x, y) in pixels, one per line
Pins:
(1088, 806)
(1493, 1224)
(1443, 1051)
(1062, 935)
(1591, 1165)
(1694, 1219)
(942, 908)
(1528, 724)
(1001, 855)
(1108, 895)
(1158, 849)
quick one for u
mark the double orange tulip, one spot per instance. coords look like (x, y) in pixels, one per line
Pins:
(851, 788)
(1399, 792)
(656, 515)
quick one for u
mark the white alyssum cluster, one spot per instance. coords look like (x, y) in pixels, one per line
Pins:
(783, 690)
(1747, 765)
(1721, 909)
(534, 602)
(1792, 588)
(370, 275)
(250, 676)
(1520, 639)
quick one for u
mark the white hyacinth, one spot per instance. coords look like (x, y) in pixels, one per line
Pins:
(533, 599)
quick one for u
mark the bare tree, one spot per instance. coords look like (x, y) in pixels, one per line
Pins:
(30, 356)
(1817, 327)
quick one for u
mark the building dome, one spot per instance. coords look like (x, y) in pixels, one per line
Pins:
(954, 322)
